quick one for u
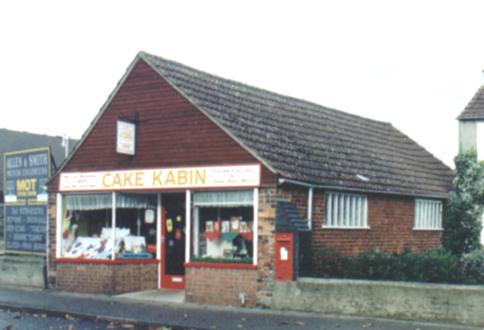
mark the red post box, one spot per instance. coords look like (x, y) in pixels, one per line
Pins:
(284, 257)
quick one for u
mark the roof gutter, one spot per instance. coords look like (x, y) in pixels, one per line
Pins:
(283, 180)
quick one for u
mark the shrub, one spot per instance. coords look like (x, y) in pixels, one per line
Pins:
(461, 221)
(473, 267)
(437, 266)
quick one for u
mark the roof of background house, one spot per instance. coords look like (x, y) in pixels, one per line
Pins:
(15, 140)
(310, 143)
(303, 141)
(475, 109)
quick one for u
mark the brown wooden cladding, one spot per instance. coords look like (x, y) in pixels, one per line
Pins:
(172, 132)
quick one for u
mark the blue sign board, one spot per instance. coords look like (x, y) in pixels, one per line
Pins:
(26, 173)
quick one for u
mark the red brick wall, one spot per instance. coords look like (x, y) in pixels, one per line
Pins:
(298, 196)
(221, 286)
(105, 278)
(390, 219)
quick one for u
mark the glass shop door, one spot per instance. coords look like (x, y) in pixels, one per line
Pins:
(173, 241)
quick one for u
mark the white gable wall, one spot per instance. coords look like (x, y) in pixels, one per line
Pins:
(480, 140)
(467, 135)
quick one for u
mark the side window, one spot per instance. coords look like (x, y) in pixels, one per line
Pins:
(344, 210)
(428, 214)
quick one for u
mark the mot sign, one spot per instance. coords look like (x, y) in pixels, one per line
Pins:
(25, 175)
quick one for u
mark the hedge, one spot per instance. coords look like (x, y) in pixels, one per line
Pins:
(437, 266)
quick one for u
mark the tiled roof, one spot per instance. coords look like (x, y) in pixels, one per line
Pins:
(310, 143)
(475, 109)
(14, 140)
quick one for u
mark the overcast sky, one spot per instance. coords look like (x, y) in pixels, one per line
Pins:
(415, 64)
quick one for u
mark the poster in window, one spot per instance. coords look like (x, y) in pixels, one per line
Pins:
(235, 223)
(225, 226)
(244, 228)
(169, 225)
(149, 216)
(209, 226)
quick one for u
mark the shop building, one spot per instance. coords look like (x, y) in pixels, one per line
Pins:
(189, 181)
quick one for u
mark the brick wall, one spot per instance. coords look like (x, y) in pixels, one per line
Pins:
(106, 278)
(266, 246)
(221, 286)
(51, 267)
(390, 219)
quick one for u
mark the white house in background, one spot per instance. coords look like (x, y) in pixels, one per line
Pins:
(471, 129)
(471, 125)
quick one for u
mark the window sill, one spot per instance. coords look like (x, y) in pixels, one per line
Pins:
(106, 261)
(428, 229)
(220, 265)
(346, 228)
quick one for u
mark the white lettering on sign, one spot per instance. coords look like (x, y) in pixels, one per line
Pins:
(164, 178)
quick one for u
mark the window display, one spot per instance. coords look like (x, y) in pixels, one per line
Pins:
(90, 231)
(223, 226)
(135, 214)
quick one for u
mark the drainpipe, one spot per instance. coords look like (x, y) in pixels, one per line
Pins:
(310, 207)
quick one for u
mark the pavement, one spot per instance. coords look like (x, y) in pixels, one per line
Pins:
(167, 308)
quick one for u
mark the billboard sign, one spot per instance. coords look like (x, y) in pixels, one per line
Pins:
(25, 175)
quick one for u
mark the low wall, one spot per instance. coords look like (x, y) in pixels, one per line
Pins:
(22, 271)
(106, 278)
(409, 301)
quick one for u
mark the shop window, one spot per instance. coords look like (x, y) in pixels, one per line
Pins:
(345, 210)
(87, 226)
(223, 226)
(90, 231)
(428, 214)
(135, 230)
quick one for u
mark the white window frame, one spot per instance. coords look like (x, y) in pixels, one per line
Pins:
(427, 214)
(114, 194)
(255, 229)
(346, 211)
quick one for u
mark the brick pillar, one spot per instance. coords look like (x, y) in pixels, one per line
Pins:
(266, 252)
(51, 266)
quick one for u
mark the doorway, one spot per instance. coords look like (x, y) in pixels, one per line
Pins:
(173, 241)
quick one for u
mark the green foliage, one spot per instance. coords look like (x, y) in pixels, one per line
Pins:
(461, 223)
(473, 267)
(437, 266)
